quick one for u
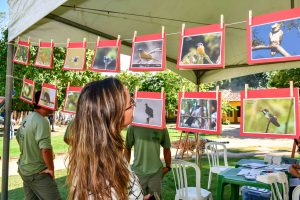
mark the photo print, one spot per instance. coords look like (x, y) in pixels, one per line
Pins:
(48, 98)
(270, 115)
(149, 110)
(72, 96)
(106, 56)
(199, 112)
(44, 57)
(28, 91)
(148, 53)
(272, 37)
(201, 47)
(22, 55)
(75, 56)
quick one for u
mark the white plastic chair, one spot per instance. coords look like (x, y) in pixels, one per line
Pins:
(296, 193)
(276, 160)
(283, 180)
(272, 180)
(268, 159)
(213, 153)
(183, 191)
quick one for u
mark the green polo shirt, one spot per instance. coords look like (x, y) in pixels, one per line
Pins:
(147, 142)
(33, 136)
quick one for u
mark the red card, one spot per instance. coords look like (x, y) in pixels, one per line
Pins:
(48, 97)
(72, 96)
(28, 91)
(44, 57)
(75, 56)
(22, 55)
(199, 112)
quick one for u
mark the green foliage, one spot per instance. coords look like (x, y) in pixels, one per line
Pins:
(281, 79)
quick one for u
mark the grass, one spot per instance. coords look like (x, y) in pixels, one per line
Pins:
(16, 190)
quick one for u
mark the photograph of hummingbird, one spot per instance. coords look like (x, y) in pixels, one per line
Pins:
(271, 118)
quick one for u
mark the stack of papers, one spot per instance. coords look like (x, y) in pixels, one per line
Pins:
(254, 165)
(249, 173)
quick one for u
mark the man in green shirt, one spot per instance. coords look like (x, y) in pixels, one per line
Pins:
(36, 166)
(147, 164)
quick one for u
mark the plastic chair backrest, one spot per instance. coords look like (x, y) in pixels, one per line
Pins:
(271, 179)
(283, 180)
(212, 151)
(296, 193)
(268, 159)
(276, 160)
(179, 168)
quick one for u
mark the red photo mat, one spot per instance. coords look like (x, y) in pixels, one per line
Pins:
(22, 44)
(145, 97)
(32, 83)
(203, 96)
(81, 46)
(70, 89)
(274, 94)
(149, 38)
(198, 31)
(42, 45)
(107, 43)
(51, 87)
(266, 19)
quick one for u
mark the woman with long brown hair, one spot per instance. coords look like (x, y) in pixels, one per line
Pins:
(97, 168)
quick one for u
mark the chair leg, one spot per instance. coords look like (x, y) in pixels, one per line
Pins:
(178, 144)
(209, 180)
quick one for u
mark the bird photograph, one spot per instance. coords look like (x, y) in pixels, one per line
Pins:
(71, 101)
(201, 49)
(48, 97)
(75, 58)
(148, 112)
(270, 115)
(27, 91)
(147, 54)
(106, 58)
(22, 54)
(44, 56)
(275, 39)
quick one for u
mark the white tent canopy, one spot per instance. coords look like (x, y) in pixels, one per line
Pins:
(76, 19)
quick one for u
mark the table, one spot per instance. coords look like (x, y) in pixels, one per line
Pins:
(246, 161)
(230, 176)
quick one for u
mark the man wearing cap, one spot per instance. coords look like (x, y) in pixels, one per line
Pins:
(36, 166)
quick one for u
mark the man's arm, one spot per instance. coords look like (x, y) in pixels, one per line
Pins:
(48, 159)
(127, 154)
(167, 157)
(294, 170)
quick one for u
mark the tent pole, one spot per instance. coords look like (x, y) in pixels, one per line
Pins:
(7, 121)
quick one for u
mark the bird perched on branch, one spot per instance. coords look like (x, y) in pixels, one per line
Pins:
(146, 56)
(149, 112)
(202, 55)
(271, 117)
(275, 37)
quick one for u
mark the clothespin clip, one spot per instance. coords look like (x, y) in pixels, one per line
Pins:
(222, 21)
(118, 39)
(28, 39)
(182, 29)
(135, 91)
(291, 88)
(68, 42)
(52, 43)
(183, 91)
(39, 42)
(246, 91)
(250, 17)
(134, 35)
(55, 81)
(162, 93)
(162, 32)
(98, 40)
(24, 77)
(217, 92)
(84, 41)
(18, 39)
(68, 86)
(83, 85)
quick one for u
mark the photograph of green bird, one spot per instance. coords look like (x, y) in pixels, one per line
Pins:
(147, 54)
(105, 58)
(22, 55)
(71, 101)
(27, 91)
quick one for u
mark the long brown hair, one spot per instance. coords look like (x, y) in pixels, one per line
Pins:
(96, 163)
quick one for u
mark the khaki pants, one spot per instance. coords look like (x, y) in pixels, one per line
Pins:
(40, 187)
(151, 183)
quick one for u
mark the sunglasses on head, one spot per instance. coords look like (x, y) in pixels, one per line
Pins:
(132, 104)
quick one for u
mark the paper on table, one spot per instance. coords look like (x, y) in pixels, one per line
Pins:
(294, 182)
(254, 165)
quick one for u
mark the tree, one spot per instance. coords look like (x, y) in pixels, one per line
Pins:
(281, 79)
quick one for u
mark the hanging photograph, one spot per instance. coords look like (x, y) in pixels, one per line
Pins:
(199, 112)
(106, 56)
(22, 55)
(44, 57)
(272, 37)
(28, 90)
(149, 110)
(48, 98)
(75, 56)
(148, 53)
(201, 47)
(72, 96)
(273, 114)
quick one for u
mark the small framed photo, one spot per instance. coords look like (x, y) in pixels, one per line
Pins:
(44, 57)
(149, 110)
(22, 55)
(202, 47)
(148, 53)
(28, 91)
(199, 112)
(272, 37)
(75, 56)
(270, 113)
(106, 56)
(48, 98)
(72, 96)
